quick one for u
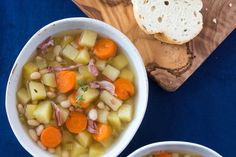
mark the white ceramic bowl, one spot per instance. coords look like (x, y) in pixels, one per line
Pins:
(69, 24)
(175, 146)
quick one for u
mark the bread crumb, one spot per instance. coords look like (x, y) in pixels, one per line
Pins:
(206, 9)
(214, 20)
(230, 5)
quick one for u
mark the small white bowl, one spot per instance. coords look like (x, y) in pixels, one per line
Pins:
(175, 146)
(70, 24)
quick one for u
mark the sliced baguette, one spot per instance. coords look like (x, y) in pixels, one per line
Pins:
(170, 21)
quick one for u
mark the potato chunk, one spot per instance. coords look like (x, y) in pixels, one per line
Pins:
(102, 116)
(119, 61)
(67, 137)
(83, 57)
(37, 90)
(41, 62)
(125, 113)
(84, 155)
(107, 142)
(89, 95)
(85, 75)
(66, 40)
(29, 68)
(113, 102)
(23, 96)
(43, 112)
(100, 64)
(111, 72)
(84, 138)
(96, 150)
(114, 120)
(126, 74)
(77, 150)
(49, 79)
(88, 38)
(70, 52)
(64, 113)
(29, 111)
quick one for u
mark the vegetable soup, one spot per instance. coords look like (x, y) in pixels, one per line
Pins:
(77, 94)
(172, 154)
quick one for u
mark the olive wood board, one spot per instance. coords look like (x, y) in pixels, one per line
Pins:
(169, 65)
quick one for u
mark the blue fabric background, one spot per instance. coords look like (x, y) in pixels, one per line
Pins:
(203, 110)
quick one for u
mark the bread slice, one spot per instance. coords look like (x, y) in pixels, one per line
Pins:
(170, 21)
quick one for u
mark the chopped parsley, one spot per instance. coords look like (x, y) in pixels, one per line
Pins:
(84, 88)
(79, 98)
(82, 85)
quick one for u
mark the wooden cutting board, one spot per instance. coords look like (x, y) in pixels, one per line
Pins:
(169, 65)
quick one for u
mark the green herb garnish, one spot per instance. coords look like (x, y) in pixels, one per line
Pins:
(82, 85)
(84, 88)
(79, 98)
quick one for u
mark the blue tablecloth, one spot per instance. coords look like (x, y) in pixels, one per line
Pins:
(203, 110)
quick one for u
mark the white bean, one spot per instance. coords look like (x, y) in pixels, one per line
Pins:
(33, 134)
(38, 57)
(51, 95)
(58, 59)
(71, 108)
(41, 145)
(35, 75)
(60, 98)
(51, 150)
(101, 105)
(33, 122)
(57, 50)
(93, 114)
(65, 104)
(43, 71)
(52, 89)
(20, 108)
(175, 154)
(65, 153)
(39, 129)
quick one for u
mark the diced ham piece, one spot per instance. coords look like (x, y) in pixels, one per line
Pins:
(44, 45)
(57, 69)
(57, 112)
(103, 85)
(92, 67)
(92, 126)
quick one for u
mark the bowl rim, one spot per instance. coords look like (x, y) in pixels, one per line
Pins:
(173, 143)
(116, 150)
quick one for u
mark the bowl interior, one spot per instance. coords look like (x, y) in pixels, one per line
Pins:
(104, 30)
(175, 146)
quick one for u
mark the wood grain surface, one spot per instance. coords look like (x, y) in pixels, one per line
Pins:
(169, 65)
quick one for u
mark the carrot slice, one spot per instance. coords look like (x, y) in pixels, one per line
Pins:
(124, 88)
(65, 81)
(105, 48)
(84, 104)
(50, 137)
(76, 122)
(72, 98)
(103, 131)
(162, 154)
(73, 101)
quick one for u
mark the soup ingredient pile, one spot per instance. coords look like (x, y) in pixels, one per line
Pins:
(77, 94)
